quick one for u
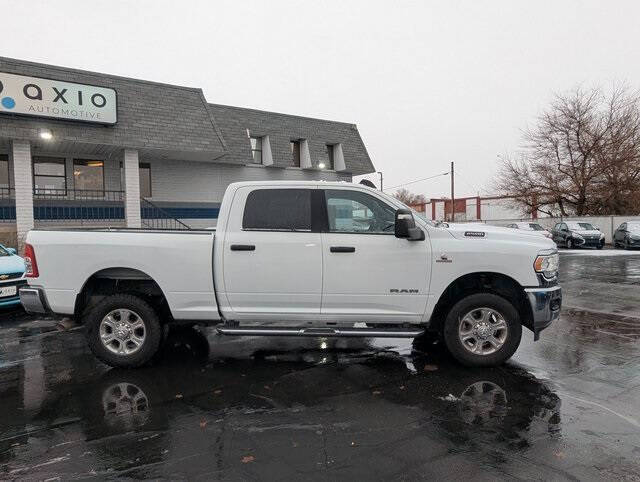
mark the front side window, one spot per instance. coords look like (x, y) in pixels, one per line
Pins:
(88, 175)
(49, 176)
(358, 212)
(3, 252)
(278, 210)
(256, 149)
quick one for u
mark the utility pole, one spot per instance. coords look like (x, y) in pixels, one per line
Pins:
(452, 194)
(380, 180)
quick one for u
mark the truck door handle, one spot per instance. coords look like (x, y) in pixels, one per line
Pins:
(243, 247)
(342, 249)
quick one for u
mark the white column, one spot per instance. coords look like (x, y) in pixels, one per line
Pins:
(131, 176)
(305, 156)
(23, 184)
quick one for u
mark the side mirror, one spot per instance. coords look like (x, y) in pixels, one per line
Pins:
(405, 226)
(11, 251)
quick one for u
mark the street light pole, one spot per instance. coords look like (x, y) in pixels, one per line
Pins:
(453, 208)
(380, 180)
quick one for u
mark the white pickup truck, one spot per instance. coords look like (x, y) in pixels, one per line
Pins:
(299, 258)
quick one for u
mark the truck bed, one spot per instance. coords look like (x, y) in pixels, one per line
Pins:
(180, 262)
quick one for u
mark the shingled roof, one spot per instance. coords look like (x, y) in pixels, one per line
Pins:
(283, 128)
(160, 120)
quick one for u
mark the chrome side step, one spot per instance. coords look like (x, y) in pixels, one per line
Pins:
(326, 332)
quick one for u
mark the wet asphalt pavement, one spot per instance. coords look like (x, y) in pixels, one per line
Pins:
(566, 407)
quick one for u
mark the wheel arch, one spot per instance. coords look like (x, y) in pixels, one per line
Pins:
(481, 282)
(121, 280)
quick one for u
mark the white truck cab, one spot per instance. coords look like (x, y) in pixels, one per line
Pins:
(302, 259)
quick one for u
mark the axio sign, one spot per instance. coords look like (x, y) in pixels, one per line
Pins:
(56, 99)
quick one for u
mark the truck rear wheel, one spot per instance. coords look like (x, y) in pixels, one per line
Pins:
(123, 331)
(482, 330)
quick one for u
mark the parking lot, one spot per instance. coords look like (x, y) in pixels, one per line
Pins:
(565, 407)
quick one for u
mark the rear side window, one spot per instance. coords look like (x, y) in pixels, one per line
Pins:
(278, 210)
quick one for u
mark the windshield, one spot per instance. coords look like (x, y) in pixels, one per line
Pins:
(536, 227)
(3, 252)
(581, 226)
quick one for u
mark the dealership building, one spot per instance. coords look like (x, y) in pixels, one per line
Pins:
(80, 148)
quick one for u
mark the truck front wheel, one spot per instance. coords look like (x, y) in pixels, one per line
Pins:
(123, 331)
(482, 330)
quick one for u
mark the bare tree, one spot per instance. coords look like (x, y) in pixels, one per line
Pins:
(583, 156)
(409, 198)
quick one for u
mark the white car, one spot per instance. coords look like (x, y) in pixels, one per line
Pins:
(529, 226)
(304, 259)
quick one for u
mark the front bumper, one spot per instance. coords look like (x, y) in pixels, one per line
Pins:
(588, 242)
(34, 300)
(545, 306)
(13, 300)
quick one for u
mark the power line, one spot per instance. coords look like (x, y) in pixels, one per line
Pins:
(417, 180)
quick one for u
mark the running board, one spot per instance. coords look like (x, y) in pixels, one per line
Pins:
(326, 332)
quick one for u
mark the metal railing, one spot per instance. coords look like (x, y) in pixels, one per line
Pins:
(154, 217)
(7, 205)
(78, 194)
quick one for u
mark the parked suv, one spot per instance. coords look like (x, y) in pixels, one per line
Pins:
(627, 235)
(577, 235)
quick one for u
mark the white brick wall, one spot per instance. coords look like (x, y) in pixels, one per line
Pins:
(23, 184)
(206, 182)
(131, 188)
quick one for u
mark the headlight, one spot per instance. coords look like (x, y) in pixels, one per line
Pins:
(577, 236)
(547, 264)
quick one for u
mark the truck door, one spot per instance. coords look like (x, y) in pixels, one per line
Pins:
(272, 256)
(369, 274)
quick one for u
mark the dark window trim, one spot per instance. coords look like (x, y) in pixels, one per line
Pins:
(297, 142)
(49, 160)
(79, 162)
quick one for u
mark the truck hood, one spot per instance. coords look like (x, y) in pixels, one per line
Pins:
(483, 231)
(11, 264)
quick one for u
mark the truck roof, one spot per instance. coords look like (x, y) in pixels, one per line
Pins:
(300, 183)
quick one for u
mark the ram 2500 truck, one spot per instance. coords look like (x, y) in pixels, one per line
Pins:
(299, 258)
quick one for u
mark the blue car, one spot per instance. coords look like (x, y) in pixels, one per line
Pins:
(11, 276)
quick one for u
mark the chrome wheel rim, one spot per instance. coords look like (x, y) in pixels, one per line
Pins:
(483, 331)
(122, 332)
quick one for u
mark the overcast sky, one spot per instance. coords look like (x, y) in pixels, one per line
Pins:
(426, 82)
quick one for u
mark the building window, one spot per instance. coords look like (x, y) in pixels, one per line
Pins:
(144, 175)
(49, 176)
(4, 174)
(330, 154)
(295, 153)
(145, 179)
(88, 175)
(278, 210)
(256, 149)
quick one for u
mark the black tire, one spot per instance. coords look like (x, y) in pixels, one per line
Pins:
(600, 246)
(153, 332)
(569, 243)
(626, 244)
(476, 301)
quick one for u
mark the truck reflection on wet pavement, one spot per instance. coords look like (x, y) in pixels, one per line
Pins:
(259, 408)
